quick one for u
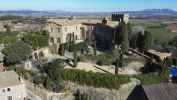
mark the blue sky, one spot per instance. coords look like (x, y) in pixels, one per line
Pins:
(86, 5)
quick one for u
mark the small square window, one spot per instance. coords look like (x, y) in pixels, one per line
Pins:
(9, 97)
(52, 40)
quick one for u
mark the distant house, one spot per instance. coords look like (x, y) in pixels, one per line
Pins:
(104, 34)
(159, 55)
(172, 28)
(163, 91)
(62, 31)
(2, 28)
(41, 53)
(26, 27)
(105, 30)
(11, 86)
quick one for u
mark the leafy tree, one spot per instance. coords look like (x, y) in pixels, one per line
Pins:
(36, 40)
(144, 40)
(48, 83)
(82, 46)
(140, 40)
(173, 42)
(17, 52)
(39, 79)
(53, 71)
(8, 38)
(133, 41)
(104, 59)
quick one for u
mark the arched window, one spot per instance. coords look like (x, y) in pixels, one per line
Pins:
(58, 40)
(41, 54)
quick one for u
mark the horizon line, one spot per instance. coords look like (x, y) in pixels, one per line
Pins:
(81, 11)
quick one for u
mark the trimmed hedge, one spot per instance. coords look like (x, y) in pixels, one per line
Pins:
(104, 59)
(151, 78)
(94, 79)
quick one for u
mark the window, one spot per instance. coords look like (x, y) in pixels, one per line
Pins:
(8, 89)
(9, 97)
(35, 55)
(51, 30)
(58, 40)
(59, 29)
(52, 40)
(41, 54)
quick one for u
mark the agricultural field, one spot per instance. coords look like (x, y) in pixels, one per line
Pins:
(158, 30)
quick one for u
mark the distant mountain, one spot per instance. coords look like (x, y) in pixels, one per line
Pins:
(152, 12)
(27, 13)
(145, 12)
(159, 11)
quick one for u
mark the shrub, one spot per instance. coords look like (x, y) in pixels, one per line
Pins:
(150, 78)
(17, 52)
(36, 40)
(94, 79)
(104, 59)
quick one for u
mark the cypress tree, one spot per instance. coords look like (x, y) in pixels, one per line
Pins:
(116, 56)
(125, 41)
(147, 40)
(75, 54)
